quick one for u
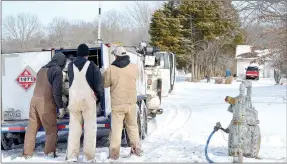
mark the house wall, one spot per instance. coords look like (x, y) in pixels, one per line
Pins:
(266, 70)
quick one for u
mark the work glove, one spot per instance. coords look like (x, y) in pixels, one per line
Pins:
(62, 113)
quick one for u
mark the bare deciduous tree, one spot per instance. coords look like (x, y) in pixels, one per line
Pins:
(58, 31)
(81, 32)
(272, 15)
(112, 26)
(140, 16)
(21, 28)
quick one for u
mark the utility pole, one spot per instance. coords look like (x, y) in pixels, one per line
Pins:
(99, 24)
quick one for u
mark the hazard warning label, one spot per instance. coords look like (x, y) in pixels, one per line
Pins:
(26, 79)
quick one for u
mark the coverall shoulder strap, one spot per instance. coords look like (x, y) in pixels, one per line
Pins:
(86, 66)
(75, 69)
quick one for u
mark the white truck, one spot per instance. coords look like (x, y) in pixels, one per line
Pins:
(160, 67)
(19, 75)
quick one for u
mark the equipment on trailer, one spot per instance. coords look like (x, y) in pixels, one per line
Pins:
(244, 137)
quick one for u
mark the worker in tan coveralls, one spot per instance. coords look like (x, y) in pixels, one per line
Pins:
(47, 95)
(121, 76)
(85, 92)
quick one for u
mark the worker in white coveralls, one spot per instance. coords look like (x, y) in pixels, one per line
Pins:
(85, 92)
(121, 77)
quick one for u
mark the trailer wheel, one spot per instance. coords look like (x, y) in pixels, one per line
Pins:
(6, 143)
(20, 139)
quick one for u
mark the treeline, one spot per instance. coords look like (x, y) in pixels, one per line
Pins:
(202, 34)
(25, 31)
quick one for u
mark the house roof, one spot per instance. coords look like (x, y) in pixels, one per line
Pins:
(248, 55)
(255, 54)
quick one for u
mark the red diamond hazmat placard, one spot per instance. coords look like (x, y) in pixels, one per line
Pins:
(26, 78)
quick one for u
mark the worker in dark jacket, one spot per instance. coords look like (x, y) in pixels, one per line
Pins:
(47, 96)
(85, 92)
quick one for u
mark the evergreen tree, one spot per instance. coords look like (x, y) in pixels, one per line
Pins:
(180, 24)
(166, 29)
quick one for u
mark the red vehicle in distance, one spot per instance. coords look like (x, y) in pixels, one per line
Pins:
(252, 72)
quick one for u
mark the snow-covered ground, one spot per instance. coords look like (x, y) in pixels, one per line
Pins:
(190, 113)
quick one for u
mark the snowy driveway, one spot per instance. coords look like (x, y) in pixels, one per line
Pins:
(190, 112)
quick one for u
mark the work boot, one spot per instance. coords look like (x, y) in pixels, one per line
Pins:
(113, 158)
(136, 151)
(51, 155)
(88, 160)
(27, 156)
(114, 154)
(73, 159)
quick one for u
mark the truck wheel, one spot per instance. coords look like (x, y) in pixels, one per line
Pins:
(171, 88)
(125, 138)
(145, 116)
(6, 143)
(159, 88)
(142, 121)
(142, 126)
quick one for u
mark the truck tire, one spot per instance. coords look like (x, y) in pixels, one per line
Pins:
(6, 143)
(142, 126)
(125, 138)
(159, 88)
(171, 87)
(142, 121)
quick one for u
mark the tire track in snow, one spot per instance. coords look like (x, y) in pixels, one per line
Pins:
(166, 122)
(166, 136)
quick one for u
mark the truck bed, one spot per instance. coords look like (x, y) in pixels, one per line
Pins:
(63, 125)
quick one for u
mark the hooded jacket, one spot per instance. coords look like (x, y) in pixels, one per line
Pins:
(121, 76)
(55, 76)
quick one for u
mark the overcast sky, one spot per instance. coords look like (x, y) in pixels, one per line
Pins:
(71, 10)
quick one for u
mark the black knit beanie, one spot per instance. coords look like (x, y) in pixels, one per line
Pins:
(83, 50)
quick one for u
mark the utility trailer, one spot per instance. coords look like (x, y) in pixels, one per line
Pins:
(18, 78)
